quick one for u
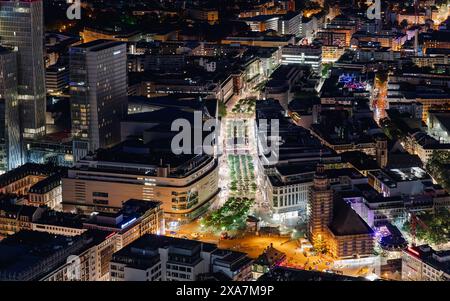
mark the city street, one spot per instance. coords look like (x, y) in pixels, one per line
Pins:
(253, 245)
(238, 170)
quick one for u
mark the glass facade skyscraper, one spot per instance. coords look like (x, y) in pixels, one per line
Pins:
(98, 92)
(22, 27)
(10, 144)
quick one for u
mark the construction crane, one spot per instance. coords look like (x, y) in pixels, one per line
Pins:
(414, 221)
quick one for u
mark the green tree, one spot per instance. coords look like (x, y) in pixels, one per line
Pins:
(222, 109)
(437, 227)
(438, 167)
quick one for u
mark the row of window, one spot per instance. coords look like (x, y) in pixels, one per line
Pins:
(179, 268)
(290, 200)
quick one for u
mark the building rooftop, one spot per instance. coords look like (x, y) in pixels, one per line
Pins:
(26, 254)
(391, 177)
(146, 159)
(270, 257)
(132, 210)
(154, 242)
(62, 219)
(439, 260)
(232, 259)
(26, 170)
(98, 45)
(360, 160)
(346, 221)
(14, 211)
(289, 274)
(46, 184)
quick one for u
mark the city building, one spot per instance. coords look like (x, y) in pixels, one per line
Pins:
(302, 55)
(398, 181)
(90, 34)
(19, 181)
(163, 258)
(10, 137)
(91, 263)
(286, 24)
(15, 218)
(281, 83)
(262, 23)
(56, 148)
(209, 15)
(267, 261)
(57, 79)
(291, 24)
(185, 184)
(31, 255)
(47, 192)
(98, 90)
(288, 188)
(333, 225)
(290, 274)
(260, 40)
(22, 27)
(438, 124)
(423, 263)
(135, 219)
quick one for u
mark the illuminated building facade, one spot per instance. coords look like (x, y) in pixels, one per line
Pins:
(10, 142)
(22, 27)
(333, 225)
(163, 258)
(186, 186)
(422, 263)
(302, 55)
(98, 90)
(320, 207)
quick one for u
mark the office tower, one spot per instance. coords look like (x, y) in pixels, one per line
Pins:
(98, 90)
(22, 27)
(10, 146)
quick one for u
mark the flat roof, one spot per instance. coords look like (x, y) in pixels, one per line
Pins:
(99, 45)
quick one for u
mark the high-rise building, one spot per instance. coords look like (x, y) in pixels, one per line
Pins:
(22, 27)
(98, 89)
(10, 146)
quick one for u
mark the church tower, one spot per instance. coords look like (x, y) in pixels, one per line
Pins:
(320, 206)
(381, 151)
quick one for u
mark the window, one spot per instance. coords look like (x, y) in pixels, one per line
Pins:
(100, 194)
(100, 202)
